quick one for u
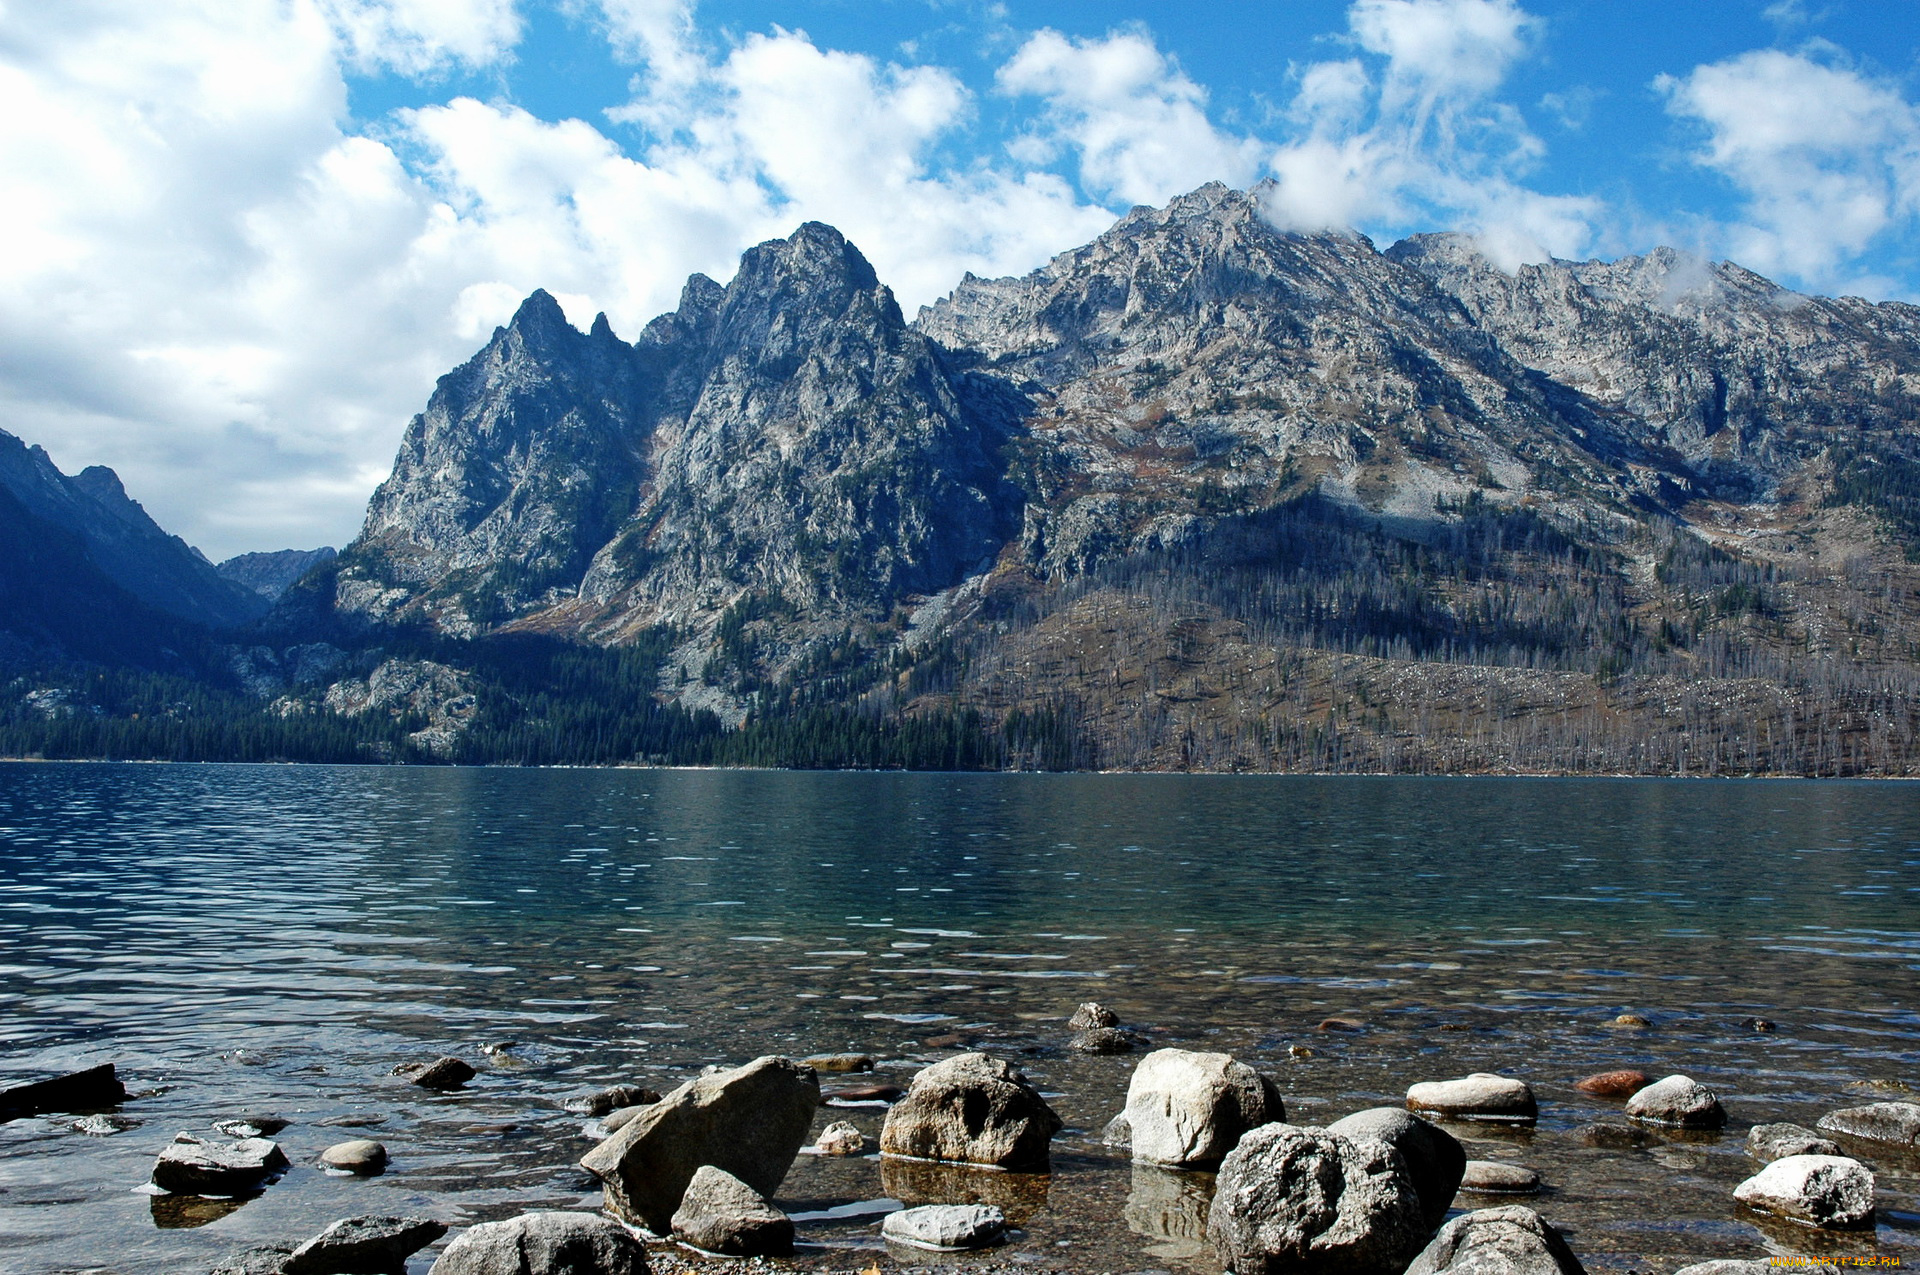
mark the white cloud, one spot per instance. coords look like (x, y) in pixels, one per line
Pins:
(216, 281)
(1137, 124)
(1827, 158)
(1422, 141)
(417, 37)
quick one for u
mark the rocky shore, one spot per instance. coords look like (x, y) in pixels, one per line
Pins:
(692, 1179)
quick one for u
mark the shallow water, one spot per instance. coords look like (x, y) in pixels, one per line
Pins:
(242, 939)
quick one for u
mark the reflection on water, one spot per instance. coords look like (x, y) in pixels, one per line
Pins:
(277, 938)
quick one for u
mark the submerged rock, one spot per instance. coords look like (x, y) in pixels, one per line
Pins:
(1896, 1124)
(369, 1245)
(839, 1062)
(1680, 1101)
(1730, 1266)
(1103, 1040)
(1827, 1191)
(1434, 1158)
(192, 1166)
(972, 1109)
(1480, 1096)
(255, 1126)
(1187, 1109)
(946, 1227)
(545, 1244)
(721, 1214)
(1777, 1141)
(1291, 1199)
(103, 1125)
(1510, 1240)
(750, 1121)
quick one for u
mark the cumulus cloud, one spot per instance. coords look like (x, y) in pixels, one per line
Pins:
(1826, 157)
(1413, 131)
(1136, 124)
(216, 280)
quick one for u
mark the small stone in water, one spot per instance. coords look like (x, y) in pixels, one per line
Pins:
(1481, 1096)
(1632, 1020)
(1491, 1177)
(1341, 1025)
(1623, 1083)
(364, 1244)
(1093, 1014)
(840, 1138)
(441, 1073)
(862, 1093)
(840, 1062)
(610, 1099)
(1678, 1100)
(1759, 1024)
(1299, 1051)
(263, 1259)
(1777, 1141)
(1103, 1040)
(355, 1120)
(497, 1048)
(361, 1155)
(192, 1166)
(102, 1126)
(949, 1040)
(946, 1226)
(617, 1120)
(252, 1126)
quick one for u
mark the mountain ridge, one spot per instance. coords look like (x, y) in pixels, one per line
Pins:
(1200, 494)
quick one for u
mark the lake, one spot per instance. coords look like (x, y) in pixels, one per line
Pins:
(242, 939)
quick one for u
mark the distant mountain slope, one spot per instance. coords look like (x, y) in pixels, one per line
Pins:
(121, 541)
(272, 574)
(55, 602)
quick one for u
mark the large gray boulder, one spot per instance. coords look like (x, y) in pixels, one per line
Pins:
(194, 1166)
(946, 1227)
(1896, 1124)
(1296, 1201)
(1829, 1191)
(364, 1246)
(1435, 1159)
(1481, 1096)
(1680, 1101)
(1511, 1240)
(545, 1244)
(1188, 1109)
(750, 1121)
(721, 1214)
(972, 1109)
(1777, 1141)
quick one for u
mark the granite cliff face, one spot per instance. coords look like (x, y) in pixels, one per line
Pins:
(1198, 439)
(788, 434)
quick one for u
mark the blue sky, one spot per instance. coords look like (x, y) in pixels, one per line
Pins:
(245, 236)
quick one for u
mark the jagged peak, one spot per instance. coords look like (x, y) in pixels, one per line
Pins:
(814, 249)
(539, 310)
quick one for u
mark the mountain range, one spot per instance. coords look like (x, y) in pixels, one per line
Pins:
(1203, 493)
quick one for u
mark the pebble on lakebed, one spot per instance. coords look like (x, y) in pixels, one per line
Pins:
(361, 1155)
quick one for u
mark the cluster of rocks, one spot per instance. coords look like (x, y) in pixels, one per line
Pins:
(1367, 1193)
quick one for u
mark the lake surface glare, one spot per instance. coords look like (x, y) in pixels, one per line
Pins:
(243, 939)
